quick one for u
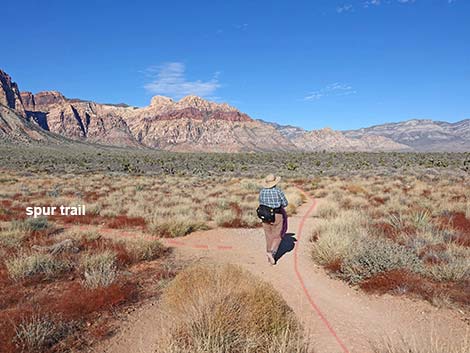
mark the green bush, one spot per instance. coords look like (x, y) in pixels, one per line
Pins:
(374, 256)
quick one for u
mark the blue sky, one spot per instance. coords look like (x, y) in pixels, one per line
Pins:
(317, 63)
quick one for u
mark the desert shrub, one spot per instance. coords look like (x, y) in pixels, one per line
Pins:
(373, 256)
(175, 226)
(225, 309)
(327, 209)
(12, 237)
(39, 333)
(31, 224)
(295, 199)
(398, 221)
(165, 223)
(24, 265)
(331, 247)
(250, 185)
(431, 344)
(421, 220)
(145, 250)
(99, 269)
(334, 238)
(456, 269)
(37, 224)
(226, 217)
(250, 219)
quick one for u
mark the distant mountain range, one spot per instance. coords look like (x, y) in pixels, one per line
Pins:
(195, 124)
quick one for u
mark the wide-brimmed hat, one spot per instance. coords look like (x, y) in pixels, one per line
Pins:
(271, 180)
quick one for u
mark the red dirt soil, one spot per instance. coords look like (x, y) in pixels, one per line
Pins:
(395, 280)
(123, 221)
(460, 223)
(86, 219)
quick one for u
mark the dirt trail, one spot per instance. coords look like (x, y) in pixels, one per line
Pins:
(337, 317)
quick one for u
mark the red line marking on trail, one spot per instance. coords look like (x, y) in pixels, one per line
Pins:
(224, 247)
(174, 242)
(200, 246)
(302, 283)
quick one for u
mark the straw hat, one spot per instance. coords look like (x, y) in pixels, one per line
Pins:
(271, 181)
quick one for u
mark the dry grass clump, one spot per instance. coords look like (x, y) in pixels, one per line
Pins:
(146, 250)
(416, 345)
(19, 230)
(335, 238)
(295, 199)
(99, 270)
(12, 237)
(38, 333)
(174, 226)
(327, 209)
(26, 265)
(225, 309)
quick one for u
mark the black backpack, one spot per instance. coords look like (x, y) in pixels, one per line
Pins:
(266, 213)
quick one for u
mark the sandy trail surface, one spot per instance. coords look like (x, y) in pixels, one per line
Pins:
(336, 317)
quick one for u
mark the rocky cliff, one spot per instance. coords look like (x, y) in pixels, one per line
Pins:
(190, 124)
(196, 124)
(14, 126)
(422, 135)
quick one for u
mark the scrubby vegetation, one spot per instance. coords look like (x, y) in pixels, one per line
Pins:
(60, 288)
(411, 344)
(92, 158)
(387, 223)
(164, 207)
(45, 259)
(405, 235)
(225, 309)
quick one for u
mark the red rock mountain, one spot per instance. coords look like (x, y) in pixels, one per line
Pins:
(190, 124)
(14, 125)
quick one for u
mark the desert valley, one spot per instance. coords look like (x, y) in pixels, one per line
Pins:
(166, 257)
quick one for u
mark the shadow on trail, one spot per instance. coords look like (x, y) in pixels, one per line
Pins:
(287, 245)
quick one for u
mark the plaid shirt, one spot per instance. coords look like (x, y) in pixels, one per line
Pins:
(272, 197)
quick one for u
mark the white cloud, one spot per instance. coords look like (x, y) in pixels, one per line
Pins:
(344, 8)
(332, 90)
(242, 27)
(169, 80)
(372, 2)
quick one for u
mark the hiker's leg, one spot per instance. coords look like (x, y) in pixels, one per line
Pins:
(276, 232)
(267, 233)
(284, 222)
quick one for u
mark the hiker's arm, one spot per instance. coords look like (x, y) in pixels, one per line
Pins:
(284, 201)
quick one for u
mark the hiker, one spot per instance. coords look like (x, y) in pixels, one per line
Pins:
(271, 211)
